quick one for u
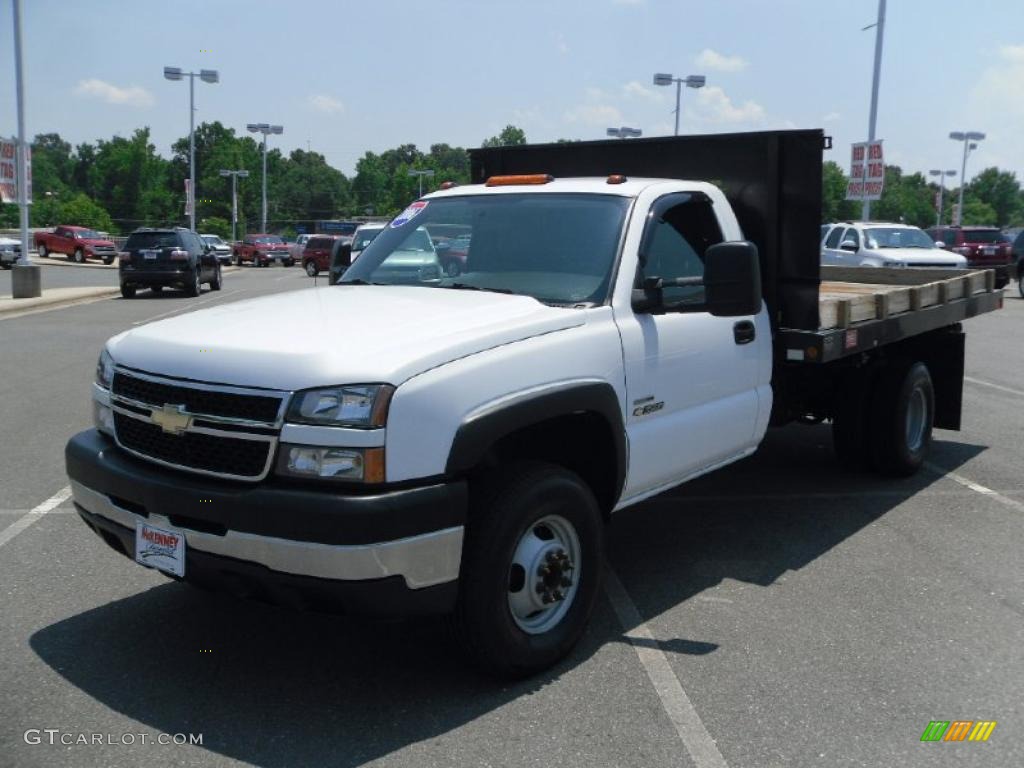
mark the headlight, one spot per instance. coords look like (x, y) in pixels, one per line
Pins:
(313, 461)
(105, 370)
(355, 405)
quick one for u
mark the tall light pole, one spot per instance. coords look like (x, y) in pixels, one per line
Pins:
(966, 137)
(625, 133)
(235, 175)
(879, 26)
(265, 129)
(692, 81)
(429, 173)
(26, 280)
(207, 76)
(942, 188)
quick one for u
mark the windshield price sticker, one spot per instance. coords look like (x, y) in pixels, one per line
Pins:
(408, 214)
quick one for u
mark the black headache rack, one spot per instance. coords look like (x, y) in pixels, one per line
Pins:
(772, 180)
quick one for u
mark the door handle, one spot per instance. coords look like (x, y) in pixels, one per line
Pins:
(744, 332)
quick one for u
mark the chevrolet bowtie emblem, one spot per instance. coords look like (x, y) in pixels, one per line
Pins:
(171, 419)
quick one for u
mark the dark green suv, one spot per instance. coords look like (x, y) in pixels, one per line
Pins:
(178, 257)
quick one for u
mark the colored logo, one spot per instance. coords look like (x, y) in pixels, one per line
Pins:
(171, 419)
(958, 730)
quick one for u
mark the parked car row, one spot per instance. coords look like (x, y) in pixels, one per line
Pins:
(885, 244)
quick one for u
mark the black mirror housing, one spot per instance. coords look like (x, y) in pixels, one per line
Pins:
(649, 300)
(732, 279)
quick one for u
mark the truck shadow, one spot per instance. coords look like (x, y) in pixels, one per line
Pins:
(274, 688)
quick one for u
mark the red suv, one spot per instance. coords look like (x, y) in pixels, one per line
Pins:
(316, 257)
(984, 248)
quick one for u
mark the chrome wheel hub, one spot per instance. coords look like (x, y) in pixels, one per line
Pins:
(544, 574)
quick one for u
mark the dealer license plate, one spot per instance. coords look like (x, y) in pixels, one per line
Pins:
(150, 254)
(160, 548)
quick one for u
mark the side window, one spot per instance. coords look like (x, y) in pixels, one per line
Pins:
(852, 234)
(949, 237)
(675, 247)
(833, 237)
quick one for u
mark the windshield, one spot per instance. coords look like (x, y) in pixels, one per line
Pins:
(898, 237)
(138, 240)
(271, 240)
(558, 248)
(983, 236)
(213, 240)
(87, 234)
(363, 238)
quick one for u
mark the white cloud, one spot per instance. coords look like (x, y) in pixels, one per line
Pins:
(994, 108)
(636, 90)
(327, 104)
(719, 62)
(604, 115)
(134, 95)
(831, 117)
(714, 106)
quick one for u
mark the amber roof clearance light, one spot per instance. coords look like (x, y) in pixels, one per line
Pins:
(512, 181)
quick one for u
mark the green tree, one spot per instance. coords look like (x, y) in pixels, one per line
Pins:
(1000, 191)
(977, 212)
(83, 211)
(214, 225)
(510, 136)
(834, 205)
(905, 198)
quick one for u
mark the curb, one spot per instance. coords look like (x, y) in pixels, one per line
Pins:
(8, 305)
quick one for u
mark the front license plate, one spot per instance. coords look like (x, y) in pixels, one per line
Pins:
(160, 548)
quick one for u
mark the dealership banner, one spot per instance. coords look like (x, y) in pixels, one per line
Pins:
(867, 172)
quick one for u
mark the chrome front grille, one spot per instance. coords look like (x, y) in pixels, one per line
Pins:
(228, 432)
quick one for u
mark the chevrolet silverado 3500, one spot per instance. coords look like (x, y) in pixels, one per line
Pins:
(458, 444)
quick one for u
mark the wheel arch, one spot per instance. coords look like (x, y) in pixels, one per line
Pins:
(578, 426)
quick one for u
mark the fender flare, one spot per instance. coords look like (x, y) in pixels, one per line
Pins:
(486, 427)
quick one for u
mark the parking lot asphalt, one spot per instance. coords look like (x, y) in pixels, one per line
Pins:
(807, 614)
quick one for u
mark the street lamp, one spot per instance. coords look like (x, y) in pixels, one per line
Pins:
(265, 129)
(207, 76)
(429, 173)
(942, 188)
(625, 133)
(967, 137)
(692, 81)
(235, 175)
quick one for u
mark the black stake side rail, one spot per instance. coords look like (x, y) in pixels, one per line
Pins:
(825, 346)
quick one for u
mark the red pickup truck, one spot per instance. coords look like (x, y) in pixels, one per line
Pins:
(261, 250)
(78, 243)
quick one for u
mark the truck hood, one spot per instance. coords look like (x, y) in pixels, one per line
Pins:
(335, 335)
(914, 256)
(96, 242)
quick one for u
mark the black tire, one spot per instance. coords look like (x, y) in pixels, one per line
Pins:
(453, 268)
(289, 262)
(311, 268)
(79, 256)
(1020, 279)
(108, 260)
(218, 281)
(194, 286)
(238, 260)
(506, 506)
(127, 291)
(903, 412)
(7, 265)
(156, 288)
(43, 253)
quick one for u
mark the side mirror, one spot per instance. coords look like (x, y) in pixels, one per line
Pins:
(343, 256)
(848, 245)
(939, 244)
(650, 299)
(732, 279)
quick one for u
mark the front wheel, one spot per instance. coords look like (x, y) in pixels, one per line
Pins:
(311, 269)
(127, 291)
(193, 287)
(108, 260)
(453, 268)
(216, 283)
(43, 253)
(289, 262)
(531, 568)
(79, 256)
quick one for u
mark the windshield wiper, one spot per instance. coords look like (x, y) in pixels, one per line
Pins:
(468, 287)
(358, 281)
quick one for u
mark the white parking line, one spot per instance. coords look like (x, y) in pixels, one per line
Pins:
(977, 487)
(677, 704)
(193, 305)
(989, 384)
(34, 514)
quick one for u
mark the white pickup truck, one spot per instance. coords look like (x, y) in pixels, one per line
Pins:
(457, 445)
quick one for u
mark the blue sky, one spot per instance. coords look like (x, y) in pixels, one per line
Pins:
(350, 77)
